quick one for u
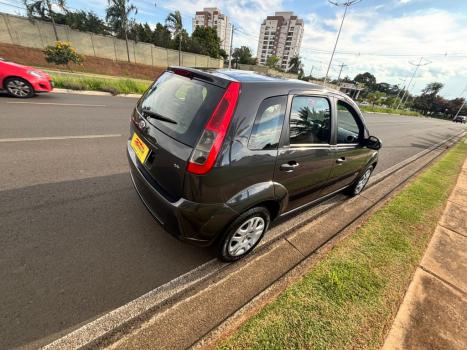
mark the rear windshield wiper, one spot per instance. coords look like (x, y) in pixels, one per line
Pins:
(147, 111)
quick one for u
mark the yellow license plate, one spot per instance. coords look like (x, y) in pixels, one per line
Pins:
(140, 148)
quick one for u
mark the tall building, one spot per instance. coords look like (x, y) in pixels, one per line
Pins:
(212, 17)
(281, 35)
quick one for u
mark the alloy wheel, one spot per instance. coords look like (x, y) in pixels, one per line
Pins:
(246, 236)
(18, 88)
(363, 181)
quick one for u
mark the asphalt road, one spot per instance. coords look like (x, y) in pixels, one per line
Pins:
(75, 240)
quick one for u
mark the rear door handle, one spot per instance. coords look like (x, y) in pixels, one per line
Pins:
(340, 160)
(289, 167)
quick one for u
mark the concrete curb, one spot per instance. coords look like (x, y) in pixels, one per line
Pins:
(176, 315)
(92, 93)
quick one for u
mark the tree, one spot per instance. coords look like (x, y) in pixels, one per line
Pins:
(272, 61)
(295, 64)
(375, 97)
(161, 36)
(43, 9)
(432, 89)
(83, 21)
(118, 16)
(242, 55)
(175, 25)
(366, 78)
(208, 41)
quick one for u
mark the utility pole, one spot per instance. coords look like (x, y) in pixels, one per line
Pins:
(231, 45)
(340, 71)
(399, 92)
(311, 71)
(413, 76)
(347, 4)
(463, 104)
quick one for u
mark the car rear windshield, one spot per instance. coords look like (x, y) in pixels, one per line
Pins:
(180, 106)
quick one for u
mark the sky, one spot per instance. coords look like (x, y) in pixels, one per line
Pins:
(382, 37)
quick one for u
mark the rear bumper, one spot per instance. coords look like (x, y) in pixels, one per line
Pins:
(196, 223)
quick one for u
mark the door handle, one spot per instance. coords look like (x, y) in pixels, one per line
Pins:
(289, 167)
(340, 160)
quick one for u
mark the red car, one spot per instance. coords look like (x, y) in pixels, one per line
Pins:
(23, 81)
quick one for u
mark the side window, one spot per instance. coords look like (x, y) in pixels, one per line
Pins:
(310, 120)
(267, 129)
(348, 129)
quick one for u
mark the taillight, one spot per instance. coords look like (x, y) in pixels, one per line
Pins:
(205, 153)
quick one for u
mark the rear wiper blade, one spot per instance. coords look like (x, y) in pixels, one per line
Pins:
(147, 111)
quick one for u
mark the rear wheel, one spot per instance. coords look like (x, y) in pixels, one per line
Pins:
(361, 182)
(244, 234)
(18, 87)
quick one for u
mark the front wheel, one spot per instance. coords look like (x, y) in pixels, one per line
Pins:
(361, 182)
(243, 234)
(18, 87)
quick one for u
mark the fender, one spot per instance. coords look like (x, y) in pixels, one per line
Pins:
(259, 193)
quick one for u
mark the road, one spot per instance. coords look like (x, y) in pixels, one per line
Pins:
(75, 240)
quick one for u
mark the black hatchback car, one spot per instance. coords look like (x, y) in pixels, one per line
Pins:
(216, 156)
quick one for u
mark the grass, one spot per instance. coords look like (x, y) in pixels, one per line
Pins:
(389, 110)
(349, 299)
(110, 84)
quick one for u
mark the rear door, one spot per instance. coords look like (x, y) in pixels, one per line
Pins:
(169, 119)
(350, 154)
(305, 157)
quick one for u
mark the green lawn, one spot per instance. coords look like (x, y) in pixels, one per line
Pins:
(388, 110)
(114, 85)
(349, 299)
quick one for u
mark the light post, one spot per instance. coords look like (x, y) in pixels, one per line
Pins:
(413, 76)
(463, 104)
(346, 4)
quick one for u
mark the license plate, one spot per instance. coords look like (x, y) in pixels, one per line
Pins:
(140, 148)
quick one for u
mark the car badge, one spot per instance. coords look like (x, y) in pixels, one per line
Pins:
(142, 124)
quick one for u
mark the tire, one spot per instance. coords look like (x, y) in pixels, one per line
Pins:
(241, 238)
(359, 184)
(18, 87)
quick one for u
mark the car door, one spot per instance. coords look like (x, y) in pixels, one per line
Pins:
(305, 156)
(350, 153)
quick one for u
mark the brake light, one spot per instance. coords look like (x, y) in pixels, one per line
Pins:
(207, 149)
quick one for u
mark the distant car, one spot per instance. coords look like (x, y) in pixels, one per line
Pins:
(216, 156)
(23, 81)
(460, 119)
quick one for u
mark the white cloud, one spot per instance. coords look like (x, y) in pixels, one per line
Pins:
(425, 33)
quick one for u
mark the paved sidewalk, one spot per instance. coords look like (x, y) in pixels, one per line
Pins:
(433, 314)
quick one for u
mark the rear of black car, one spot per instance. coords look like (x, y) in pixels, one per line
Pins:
(177, 130)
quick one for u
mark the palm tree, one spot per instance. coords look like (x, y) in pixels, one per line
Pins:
(118, 15)
(43, 9)
(175, 25)
(295, 64)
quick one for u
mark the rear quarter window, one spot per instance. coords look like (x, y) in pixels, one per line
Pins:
(187, 102)
(268, 124)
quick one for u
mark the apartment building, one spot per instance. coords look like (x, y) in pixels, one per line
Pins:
(281, 35)
(212, 17)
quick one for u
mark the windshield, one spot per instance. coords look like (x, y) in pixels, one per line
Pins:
(180, 106)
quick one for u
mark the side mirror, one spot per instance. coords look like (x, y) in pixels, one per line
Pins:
(373, 142)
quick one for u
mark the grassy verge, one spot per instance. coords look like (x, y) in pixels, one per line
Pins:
(348, 301)
(388, 110)
(114, 85)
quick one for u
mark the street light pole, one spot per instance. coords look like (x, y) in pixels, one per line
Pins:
(346, 4)
(230, 50)
(463, 104)
(413, 76)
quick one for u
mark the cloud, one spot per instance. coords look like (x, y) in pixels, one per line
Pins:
(424, 32)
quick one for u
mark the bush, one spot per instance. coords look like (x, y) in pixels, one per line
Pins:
(62, 54)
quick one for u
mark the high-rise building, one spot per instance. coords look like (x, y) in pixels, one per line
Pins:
(212, 17)
(281, 35)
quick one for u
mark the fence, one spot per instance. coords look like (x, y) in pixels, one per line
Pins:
(38, 34)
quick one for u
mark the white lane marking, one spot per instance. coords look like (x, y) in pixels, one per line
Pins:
(24, 139)
(55, 104)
